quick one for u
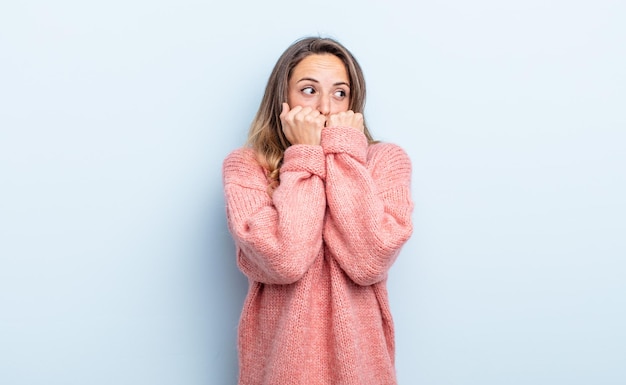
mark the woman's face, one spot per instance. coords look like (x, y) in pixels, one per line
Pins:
(320, 81)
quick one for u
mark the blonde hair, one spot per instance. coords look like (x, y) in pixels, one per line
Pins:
(266, 136)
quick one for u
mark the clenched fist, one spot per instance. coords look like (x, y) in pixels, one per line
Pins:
(302, 125)
(346, 119)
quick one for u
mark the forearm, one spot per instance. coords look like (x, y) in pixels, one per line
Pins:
(278, 240)
(369, 204)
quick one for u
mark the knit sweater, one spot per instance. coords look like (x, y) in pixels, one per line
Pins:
(317, 253)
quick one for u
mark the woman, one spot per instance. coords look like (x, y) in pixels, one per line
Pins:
(318, 211)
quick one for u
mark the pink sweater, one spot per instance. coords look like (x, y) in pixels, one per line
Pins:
(317, 255)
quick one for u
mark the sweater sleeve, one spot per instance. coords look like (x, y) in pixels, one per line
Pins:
(278, 237)
(369, 203)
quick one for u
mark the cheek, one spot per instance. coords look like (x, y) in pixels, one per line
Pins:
(341, 106)
(296, 99)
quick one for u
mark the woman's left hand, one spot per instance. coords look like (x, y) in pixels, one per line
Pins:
(346, 119)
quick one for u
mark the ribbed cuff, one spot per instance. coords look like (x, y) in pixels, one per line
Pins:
(346, 140)
(305, 157)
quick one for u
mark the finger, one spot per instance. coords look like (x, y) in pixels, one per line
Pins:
(285, 110)
(317, 119)
(321, 121)
(303, 114)
(311, 113)
(294, 111)
(303, 111)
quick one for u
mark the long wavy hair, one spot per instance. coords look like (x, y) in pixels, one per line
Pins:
(266, 136)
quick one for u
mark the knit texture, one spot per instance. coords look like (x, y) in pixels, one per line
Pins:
(316, 254)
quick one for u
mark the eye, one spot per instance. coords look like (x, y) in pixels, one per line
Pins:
(340, 94)
(308, 90)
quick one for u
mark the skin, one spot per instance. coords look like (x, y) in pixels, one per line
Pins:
(318, 97)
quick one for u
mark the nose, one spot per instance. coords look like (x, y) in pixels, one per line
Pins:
(324, 104)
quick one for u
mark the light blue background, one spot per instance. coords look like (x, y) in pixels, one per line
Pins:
(116, 266)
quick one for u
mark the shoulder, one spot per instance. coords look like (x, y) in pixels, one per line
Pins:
(241, 167)
(388, 155)
(389, 164)
(241, 155)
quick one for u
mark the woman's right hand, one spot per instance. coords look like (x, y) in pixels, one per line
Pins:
(302, 125)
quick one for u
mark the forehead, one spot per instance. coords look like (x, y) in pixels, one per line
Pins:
(320, 65)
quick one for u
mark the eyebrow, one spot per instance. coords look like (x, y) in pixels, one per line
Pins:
(316, 81)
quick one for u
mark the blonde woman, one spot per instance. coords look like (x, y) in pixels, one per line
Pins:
(318, 211)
